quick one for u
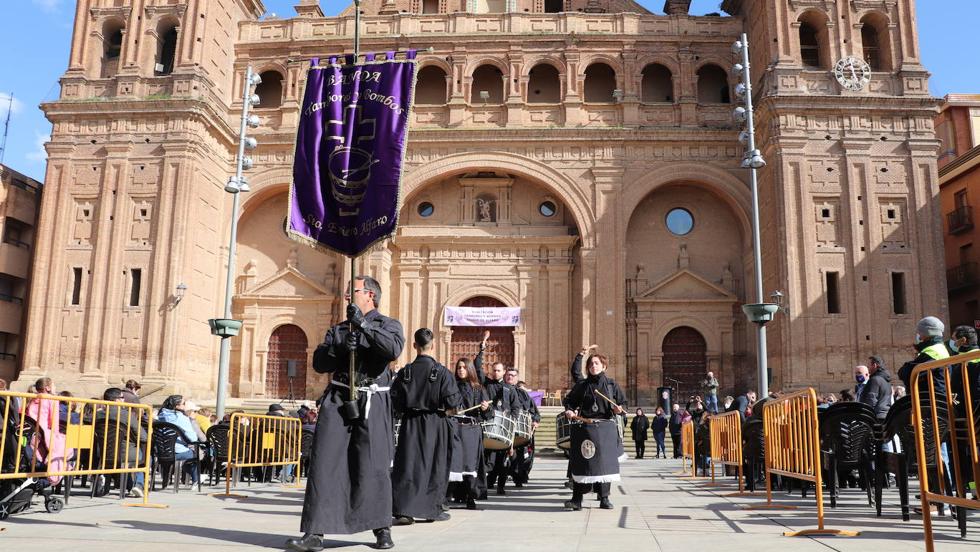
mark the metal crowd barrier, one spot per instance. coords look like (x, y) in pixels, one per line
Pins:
(54, 437)
(260, 441)
(945, 416)
(792, 434)
(687, 448)
(726, 444)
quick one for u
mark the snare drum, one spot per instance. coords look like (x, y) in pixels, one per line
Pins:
(498, 434)
(564, 433)
(523, 429)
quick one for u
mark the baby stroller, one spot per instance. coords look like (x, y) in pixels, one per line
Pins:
(16, 495)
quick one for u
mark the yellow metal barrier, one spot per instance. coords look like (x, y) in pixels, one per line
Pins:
(687, 448)
(46, 434)
(726, 444)
(256, 441)
(792, 434)
(942, 417)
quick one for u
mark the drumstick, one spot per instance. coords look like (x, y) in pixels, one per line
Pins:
(470, 408)
(597, 392)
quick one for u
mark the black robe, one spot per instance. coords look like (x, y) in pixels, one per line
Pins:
(349, 486)
(421, 393)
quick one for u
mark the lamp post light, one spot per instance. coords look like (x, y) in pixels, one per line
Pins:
(226, 327)
(759, 313)
(180, 292)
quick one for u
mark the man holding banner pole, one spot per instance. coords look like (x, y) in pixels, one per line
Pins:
(350, 148)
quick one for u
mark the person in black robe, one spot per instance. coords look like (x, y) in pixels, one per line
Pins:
(503, 398)
(584, 398)
(422, 393)
(523, 460)
(349, 484)
(471, 394)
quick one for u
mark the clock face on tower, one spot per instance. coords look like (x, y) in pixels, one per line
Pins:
(852, 73)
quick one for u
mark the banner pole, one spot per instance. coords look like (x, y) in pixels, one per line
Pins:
(357, 29)
(352, 382)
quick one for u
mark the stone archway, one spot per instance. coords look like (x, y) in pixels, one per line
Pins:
(466, 340)
(685, 361)
(285, 371)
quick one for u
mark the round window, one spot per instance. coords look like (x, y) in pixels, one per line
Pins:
(680, 222)
(547, 208)
(426, 209)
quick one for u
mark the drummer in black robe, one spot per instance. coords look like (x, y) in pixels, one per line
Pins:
(468, 445)
(503, 398)
(349, 485)
(422, 393)
(523, 459)
(585, 398)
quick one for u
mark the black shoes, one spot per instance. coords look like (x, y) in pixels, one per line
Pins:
(443, 516)
(308, 543)
(605, 504)
(403, 520)
(384, 539)
(573, 505)
(501, 491)
(471, 504)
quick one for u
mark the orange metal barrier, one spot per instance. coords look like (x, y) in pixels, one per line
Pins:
(256, 441)
(941, 417)
(726, 443)
(792, 435)
(45, 436)
(687, 448)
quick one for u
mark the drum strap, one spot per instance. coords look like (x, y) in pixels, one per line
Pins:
(369, 390)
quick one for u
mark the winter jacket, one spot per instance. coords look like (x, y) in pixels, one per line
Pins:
(877, 392)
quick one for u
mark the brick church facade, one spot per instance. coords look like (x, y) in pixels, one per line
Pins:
(575, 158)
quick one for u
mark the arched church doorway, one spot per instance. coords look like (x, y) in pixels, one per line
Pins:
(466, 340)
(685, 361)
(286, 367)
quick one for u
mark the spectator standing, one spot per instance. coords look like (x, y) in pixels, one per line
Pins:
(929, 346)
(743, 404)
(861, 378)
(964, 340)
(877, 392)
(638, 427)
(659, 427)
(710, 385)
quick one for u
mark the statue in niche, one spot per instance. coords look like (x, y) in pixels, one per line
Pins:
(727, 279)
(293, 260)
(485, 209)
(683, 258)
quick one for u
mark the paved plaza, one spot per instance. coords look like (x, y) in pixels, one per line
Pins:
(655, 510)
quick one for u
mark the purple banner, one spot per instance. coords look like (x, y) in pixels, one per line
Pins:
(350, 149)
(482, 316)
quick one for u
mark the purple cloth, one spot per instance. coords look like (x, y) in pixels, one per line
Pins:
(536, 396)
(350, 149)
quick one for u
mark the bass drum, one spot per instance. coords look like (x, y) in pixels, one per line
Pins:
(563, 436)
(523, 429)
(498, 434)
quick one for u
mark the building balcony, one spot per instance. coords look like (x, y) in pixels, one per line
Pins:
(960, 220)
(962, 277)
(11, 311)
(15, 259)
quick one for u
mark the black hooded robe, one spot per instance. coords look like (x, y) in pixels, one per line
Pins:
(421, 393)
(349, 485)
(504, 399)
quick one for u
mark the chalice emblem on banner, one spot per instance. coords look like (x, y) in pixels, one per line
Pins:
(349, 170)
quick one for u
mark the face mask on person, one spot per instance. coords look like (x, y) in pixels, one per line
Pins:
(860, 378)
(953, 347)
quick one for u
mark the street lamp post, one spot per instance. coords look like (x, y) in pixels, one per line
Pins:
(226, 327)
(759, 313)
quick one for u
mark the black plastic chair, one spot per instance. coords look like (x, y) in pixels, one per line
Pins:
(753, 451)
(305, 450)
(165, 436)
(218, 440)
(847, 436)
(897, 425)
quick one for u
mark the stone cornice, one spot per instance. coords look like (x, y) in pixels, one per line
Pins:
(165, 108)
(843, 106)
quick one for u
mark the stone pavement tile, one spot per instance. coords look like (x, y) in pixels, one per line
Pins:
(656, 511)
